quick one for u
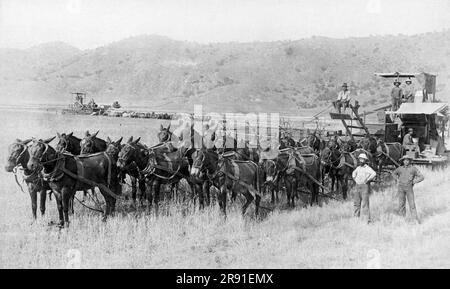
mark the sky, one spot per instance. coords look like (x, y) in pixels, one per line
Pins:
(87, 24)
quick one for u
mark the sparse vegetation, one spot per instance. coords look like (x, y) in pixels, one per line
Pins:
(164, 66)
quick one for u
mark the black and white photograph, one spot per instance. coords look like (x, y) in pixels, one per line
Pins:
(246, 135)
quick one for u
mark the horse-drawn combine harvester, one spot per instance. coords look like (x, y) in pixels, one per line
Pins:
(426, 115)
(298, 162)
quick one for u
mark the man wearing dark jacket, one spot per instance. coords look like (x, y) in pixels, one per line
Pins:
(396, 95)
(407, 176)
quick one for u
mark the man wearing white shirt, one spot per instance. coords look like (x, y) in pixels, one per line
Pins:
(343, 99)
(362, 176)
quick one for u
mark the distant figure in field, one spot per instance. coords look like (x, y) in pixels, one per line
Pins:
(396, 95)
(362, 176)
(408, 91)
(343, 99)
(407, 176)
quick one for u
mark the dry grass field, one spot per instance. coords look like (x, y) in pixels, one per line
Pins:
(317, 237)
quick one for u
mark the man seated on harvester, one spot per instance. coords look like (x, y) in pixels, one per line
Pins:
(343, 99)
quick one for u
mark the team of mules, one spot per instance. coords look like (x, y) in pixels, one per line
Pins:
(296, 167)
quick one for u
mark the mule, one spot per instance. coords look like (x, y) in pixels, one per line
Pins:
(314, 142)
(273, 172)
(330, 158)
(203, 173)
(368, 143)
(18, 156)
(164, 168)
(286, 140)
(303, 169)
(92, 144)
(66, 174)
(68, 143)
(388, 154)
(71, 144)
(239, 176)
(132, 159)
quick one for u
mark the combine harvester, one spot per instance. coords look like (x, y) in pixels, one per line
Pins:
(425, 115)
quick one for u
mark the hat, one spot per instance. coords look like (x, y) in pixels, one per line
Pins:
(363, 156)
(410, 129)
(408, 80)
(405, 157)
(344, 84)
(397, 82)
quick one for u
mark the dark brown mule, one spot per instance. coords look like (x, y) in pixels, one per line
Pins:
(239, 176)
(164, 168)
(91, 144)
(203, 173)
(67, 174)
(303, 171)
(315, 142)
(273, 172)
(18, 157)
(388, 154)
(330, 157)
(368, 143)
(131, 160)
(286, 141)
(68, 143)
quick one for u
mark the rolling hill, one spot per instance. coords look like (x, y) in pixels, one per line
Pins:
(162, 73)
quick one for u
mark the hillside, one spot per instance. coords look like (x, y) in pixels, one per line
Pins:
(273, 76)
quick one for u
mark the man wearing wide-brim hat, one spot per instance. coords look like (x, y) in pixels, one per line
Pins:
(407, 175)
(362, 175)
(343, 99)
(408, 91)
(396, 95)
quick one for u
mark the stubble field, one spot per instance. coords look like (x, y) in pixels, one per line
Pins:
(315, 237)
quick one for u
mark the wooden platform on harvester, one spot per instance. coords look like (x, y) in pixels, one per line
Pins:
(344, 117)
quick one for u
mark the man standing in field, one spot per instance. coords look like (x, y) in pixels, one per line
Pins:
(362, 176)
(396, 95)
(407, 176)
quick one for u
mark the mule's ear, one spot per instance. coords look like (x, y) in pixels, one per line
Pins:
(70, 134)
(95, 134)
(137, 140)
(58, 134)
(108, 140)
(119, 141)
(87, 133)
(49, 140)
(130, 140)
(168, 128)
(161, 127)
(26, 141)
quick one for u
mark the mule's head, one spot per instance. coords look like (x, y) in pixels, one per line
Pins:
(87, 144)
(269, 168)
(198, 158)
(332, 144)
(325, 156)
(16, 154)
(127, 153)
(164, 134)
(64, 143)
(40, 152)
(113, 147)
